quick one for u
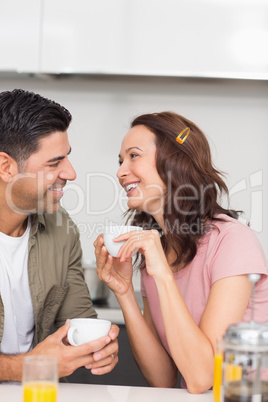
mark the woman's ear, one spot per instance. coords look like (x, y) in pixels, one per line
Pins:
(8, 167)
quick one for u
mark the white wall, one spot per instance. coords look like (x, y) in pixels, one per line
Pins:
(233, 114)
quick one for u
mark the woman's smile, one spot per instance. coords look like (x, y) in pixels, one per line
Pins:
(130, 187)
(137, 173)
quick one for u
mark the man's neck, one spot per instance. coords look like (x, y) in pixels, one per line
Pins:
(12, 223)
(11, 226)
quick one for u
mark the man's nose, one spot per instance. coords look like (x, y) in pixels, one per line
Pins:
(68, 172)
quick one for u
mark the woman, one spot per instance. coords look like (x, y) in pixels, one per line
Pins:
(195, 255)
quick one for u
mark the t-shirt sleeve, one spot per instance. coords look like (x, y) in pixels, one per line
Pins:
(237, 251)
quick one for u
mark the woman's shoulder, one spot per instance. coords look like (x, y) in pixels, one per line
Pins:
(226, 224)
(230, 234)
(233, 248)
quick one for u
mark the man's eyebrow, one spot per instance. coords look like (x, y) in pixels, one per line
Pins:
(129, 149)
(59, 158)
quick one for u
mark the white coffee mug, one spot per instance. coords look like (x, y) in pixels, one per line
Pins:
(84, 330)
(110, 232)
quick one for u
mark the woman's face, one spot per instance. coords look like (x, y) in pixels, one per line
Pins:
(137, 173)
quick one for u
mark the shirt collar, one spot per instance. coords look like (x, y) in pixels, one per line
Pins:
(37, 220)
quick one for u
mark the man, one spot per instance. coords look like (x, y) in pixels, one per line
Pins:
(41, 279)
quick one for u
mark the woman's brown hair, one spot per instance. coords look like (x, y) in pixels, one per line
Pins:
(193, 185)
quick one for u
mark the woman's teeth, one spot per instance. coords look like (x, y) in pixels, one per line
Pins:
(131, 186)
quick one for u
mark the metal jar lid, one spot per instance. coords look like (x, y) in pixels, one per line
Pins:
(247, 335)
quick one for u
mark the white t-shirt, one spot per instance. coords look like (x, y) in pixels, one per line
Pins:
(15, 294)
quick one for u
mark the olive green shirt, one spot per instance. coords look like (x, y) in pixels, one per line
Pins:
(56, 278)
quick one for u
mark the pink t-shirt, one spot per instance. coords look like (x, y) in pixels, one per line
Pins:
(231, 250)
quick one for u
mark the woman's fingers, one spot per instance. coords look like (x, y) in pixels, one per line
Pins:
(137, 240)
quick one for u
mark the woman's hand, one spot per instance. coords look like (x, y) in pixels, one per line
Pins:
(117, 275)
(149, 244)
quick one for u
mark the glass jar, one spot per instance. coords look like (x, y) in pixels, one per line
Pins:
(245, 363)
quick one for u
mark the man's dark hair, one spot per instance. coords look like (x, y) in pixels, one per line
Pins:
(25, 117)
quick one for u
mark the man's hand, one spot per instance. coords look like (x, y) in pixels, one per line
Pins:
(72, 357)
(69, 357)
(105, 360)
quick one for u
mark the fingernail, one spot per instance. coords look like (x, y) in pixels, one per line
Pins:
(88, 366)
(97, 356)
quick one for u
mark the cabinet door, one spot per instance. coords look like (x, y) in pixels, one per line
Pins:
(82, 36)
(202, 38)
(222, 38)
(19, 35)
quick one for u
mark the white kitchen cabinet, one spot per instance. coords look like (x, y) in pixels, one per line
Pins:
(195, 38)
(211, 38)
(19, 35)
(83, 36)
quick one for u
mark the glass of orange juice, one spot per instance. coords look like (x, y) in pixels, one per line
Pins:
(217, 382)
(40, 379)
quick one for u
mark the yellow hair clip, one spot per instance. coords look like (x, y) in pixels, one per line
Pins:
(181, 140)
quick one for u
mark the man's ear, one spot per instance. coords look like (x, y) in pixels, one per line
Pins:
(8, 167)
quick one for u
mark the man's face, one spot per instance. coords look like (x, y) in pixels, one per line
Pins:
(38, 187)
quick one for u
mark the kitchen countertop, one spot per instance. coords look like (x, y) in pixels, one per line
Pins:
(110, 393)
(110, 309)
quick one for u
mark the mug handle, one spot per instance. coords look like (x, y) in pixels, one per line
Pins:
(70, 336)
